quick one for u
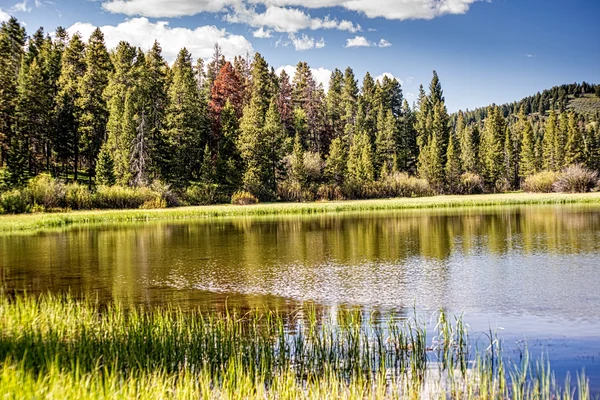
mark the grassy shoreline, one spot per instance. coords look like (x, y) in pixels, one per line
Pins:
(28, 222)
(59, 347)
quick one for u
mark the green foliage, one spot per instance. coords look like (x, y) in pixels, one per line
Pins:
(492, 148)
(399, 184)
(45, 191)
(77, 197)
(203, 194)
(360, 161)
(118, 197)
(471, 183)
(105, 169)
(243, 198)
(542, 182)
(15, 202)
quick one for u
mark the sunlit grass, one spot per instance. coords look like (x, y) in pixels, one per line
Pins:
(11, 223)
(58, 347)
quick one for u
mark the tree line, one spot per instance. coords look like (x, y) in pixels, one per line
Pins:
(82, 113)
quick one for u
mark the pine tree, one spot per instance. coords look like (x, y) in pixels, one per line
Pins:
(468, 151)
(91, 102)
(453, 165)
(12, 41)
(550, 159)
(68, 111)
(119, 91)
(284, 103)
(560, 139)
(226, 88)
(186, 122)
(229, 163)
(335, 109)
(527, 164)
(261, 86)
(492, 147)
(349, 103)
(249, 144)
(105, 168)
(274, 138)
(336, 163)
(574, 147)
(360, 160)
(298, 172)
(407, 140)
(385, 145)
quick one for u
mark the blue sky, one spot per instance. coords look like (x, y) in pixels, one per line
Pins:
(484, 51)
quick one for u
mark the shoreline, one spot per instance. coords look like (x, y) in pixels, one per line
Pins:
(30, 222)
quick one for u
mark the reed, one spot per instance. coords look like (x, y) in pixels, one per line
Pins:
(60, 347)
(13, 223)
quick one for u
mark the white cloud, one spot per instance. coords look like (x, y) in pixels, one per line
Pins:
(321, 75)
(529, 55)
(289, 20)
(384, 43)
(21, 7)
(305, 42)
(358, 41)
(389, 9)
(261, 33)
(141, 32)
(4, 16)
(389, 75)
(165, 8)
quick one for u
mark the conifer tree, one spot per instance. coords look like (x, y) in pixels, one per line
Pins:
(229, 163)
(186, 122)
(68, 111)
(336, 163)
(335, 109)
(527, 164)
(261, 86)
(360, 160)
(407, 140)
(385, 145)
(550, 159)
(119, 91)
(105, 169)
(298, 172)
(91, 102)
(12, 41)
(492, 147)
(574, 147)
(274, 139)
(349, 103)
(453, 168)
(284, 103)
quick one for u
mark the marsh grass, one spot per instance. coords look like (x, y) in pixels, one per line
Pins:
(59, 347)
(12, 223)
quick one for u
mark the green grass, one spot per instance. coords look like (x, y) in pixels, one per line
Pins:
(58, 347)
(25, 222)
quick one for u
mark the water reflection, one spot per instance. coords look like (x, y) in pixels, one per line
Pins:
(535, 260)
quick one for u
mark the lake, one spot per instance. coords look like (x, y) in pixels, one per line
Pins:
(531, 273)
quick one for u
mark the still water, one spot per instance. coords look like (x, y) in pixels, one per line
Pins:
(530, 273)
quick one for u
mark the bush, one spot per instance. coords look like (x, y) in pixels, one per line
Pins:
(15, 202)
(330, 193)
(77, 197)
(119, 197)
(243, 198)
(289, 190)
(154, 204)
(542, 182)
(399, 184)
(202, 194)
(576, 179)
(165, 192)
(46, 191)
(4, 186)
(471, 183)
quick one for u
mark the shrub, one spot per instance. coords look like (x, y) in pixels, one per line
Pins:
(155, 203)
(77, 197)
(4, 186)
(471, 183)
(164, 190)
(400, 184)
(576, 179)
(330, 193)
(46, 191)
(15, 202)
(542, 182)
(313, 166)
(120, 197)
(289, 190)
(243, 198)
(202, 194)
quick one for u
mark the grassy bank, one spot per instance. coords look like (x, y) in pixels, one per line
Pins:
(54, 347)
(10, 223)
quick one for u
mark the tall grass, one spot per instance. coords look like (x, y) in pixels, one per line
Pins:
(14, 223)
(58, 347)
